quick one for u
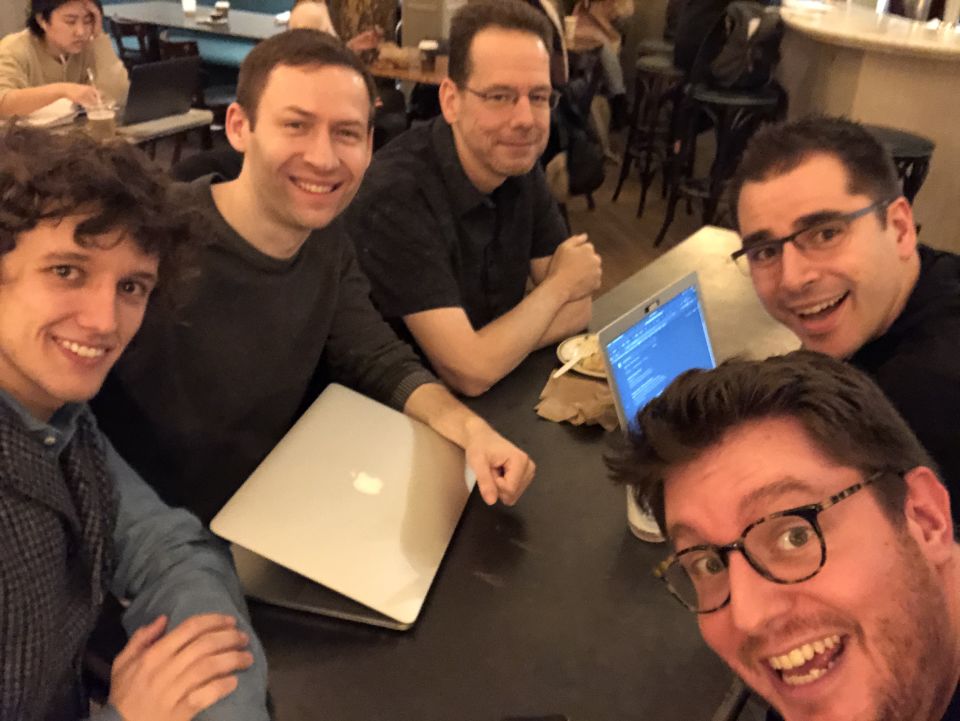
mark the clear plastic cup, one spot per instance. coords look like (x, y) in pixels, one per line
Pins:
(102, 122)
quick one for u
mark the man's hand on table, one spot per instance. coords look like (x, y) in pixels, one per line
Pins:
(503, 471)
(576, 267)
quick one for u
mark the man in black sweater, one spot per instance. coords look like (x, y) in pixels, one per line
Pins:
(831, 246)
(279, 307)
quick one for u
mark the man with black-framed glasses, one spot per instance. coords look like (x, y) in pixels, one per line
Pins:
(811, 537)
(454, 218)
(831, 246)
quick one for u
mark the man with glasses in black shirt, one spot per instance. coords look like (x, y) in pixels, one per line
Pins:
(810, 534)
(455, 217)
(831, 246)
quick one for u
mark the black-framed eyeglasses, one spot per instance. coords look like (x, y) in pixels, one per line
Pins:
(815, 242)
(784, 547)
(507, 98)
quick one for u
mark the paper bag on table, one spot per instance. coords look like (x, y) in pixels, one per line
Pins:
(577, 400)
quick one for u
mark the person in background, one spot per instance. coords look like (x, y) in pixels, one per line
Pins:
(62, 53)
(315, 14)
(455, 216)
(280, 307)
(596, 24)
(85, 235)
(812, 537)
(830, 244)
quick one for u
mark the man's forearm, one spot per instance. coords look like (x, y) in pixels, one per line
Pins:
(436, 406)
(572, 318)
(168, 564)
(481, 358)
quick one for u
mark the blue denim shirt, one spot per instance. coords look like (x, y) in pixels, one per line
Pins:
(167, 564)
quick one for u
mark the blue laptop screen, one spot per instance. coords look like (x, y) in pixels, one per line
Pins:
(647, 356)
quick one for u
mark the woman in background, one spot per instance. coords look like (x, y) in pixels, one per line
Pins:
(62, 53)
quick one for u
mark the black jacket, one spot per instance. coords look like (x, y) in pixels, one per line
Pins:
(917, 363)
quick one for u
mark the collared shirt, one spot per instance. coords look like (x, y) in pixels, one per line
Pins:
(428, 238)
(166, 564)
(917, 363)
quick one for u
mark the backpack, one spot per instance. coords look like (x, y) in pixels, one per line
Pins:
(573, 135)
(750, 49)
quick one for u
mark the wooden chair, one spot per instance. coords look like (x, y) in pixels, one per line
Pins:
(145, 36)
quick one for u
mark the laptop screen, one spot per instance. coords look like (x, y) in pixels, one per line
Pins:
(648, 355)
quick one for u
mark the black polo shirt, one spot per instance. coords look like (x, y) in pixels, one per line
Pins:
(428, 238)
(917, 363)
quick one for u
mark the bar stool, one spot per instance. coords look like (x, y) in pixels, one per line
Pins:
(735, 115)
(911, 154)
(656, 87)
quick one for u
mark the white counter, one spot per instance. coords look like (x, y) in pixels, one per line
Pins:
(856, 26)
(885, 71)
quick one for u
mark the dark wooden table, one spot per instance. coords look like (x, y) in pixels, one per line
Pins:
(548, 607)
(165, 14)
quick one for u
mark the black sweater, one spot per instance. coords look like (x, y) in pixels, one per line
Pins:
(917, 363)
(204, 393)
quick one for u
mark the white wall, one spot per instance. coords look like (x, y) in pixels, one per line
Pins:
(13, 14)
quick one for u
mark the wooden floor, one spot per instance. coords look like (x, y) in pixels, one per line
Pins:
(624, 241)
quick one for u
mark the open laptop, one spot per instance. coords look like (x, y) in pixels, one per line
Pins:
(350, 515)
(651, 344)
(160, 89)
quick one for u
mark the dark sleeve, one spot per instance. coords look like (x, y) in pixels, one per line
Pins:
(549, 228)
(927, 394)
(362, 351)
(401, 247)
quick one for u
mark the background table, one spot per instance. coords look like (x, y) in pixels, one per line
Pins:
(241, 23)
(548, 607)
(164, 127)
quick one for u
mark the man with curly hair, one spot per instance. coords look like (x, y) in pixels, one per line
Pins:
(86, 232)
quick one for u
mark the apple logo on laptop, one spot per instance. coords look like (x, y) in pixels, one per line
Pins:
(366, 484)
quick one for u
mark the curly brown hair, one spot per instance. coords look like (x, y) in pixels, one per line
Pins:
(48, 176)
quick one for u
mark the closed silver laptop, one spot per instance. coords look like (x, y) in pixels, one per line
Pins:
(350, 515)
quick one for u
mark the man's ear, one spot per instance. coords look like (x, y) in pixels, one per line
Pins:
(450, 100)
(928, 518)
(900, 220)
(237, 127)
